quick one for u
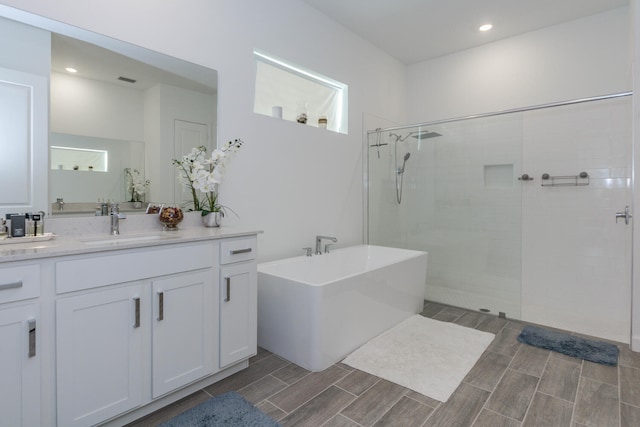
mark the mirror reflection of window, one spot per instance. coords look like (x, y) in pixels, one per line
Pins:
(86, 169)
(73, 158)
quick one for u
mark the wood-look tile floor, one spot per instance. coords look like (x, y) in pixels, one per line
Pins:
(512, 384)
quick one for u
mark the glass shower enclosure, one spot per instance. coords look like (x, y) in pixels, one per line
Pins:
(471, 193)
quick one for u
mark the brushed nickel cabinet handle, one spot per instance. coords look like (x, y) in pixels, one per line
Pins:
(228, 281)
(31, 324)
(13, 285)
(240, 251)
(136, 302)
(160, 305)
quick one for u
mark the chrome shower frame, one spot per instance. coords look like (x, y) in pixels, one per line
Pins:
(366, 151)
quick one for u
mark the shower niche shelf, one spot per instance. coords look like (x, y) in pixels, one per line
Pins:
(582, 179)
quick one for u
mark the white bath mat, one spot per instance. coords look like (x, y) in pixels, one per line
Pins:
(422, 354)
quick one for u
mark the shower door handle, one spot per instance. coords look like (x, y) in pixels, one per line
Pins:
(626, 215)
(525, 177)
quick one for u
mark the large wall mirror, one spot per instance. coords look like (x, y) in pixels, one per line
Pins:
(125, 111)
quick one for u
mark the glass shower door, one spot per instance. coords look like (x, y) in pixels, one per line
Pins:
(461, 202)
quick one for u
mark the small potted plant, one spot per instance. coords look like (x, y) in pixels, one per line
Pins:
(200, 174)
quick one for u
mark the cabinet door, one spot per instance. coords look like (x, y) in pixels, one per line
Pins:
(238, 312)
(99, 354)
(183, 334)
(19, 366)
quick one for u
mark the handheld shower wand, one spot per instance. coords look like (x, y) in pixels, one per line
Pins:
(400, 170)
(400, 177)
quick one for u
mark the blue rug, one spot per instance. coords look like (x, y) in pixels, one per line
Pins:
(229, 410)
(593, 351)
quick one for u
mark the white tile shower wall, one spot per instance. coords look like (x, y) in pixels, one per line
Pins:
(575, 258)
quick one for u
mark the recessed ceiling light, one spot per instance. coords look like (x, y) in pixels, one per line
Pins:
(71, 70)
(485, 27)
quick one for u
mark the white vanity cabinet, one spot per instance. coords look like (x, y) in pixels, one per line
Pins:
(93, 335)
(19, 345)
(238, 300)
(132, 327)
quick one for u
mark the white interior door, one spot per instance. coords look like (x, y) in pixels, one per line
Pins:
(23, 141)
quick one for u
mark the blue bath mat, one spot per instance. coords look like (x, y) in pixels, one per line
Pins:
(228, 410)
(593, 351)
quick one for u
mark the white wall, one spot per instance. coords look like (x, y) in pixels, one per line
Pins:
(93, 108)
(289, 180)
(16, 39)
(582, 58)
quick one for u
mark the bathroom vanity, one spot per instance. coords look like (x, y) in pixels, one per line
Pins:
(109, 328)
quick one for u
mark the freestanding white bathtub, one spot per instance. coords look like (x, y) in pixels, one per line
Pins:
(314, 311)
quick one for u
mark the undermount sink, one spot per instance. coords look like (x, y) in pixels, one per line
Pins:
(118, 240)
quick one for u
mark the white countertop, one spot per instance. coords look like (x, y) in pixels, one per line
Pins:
(79, 241)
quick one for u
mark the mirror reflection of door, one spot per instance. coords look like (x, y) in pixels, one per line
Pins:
(188, 135)
(23, 101)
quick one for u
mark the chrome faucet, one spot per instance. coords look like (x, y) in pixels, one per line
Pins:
(319, 243)
(116, 216)
(60, 202)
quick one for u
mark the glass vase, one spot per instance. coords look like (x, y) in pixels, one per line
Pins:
(170, 216)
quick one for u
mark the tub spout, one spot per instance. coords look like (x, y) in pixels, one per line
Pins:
(319, 243)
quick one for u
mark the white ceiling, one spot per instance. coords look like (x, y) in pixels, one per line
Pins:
(417, 30)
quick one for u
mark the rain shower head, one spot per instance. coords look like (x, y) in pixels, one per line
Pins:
(426, 135)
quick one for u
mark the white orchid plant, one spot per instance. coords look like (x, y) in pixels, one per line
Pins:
(136, 185)
(200, 174)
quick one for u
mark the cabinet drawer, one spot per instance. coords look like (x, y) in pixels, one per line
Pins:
(237, 250)
(101, 270)
(19, 283)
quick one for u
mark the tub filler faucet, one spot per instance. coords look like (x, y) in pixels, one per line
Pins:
(319, 243)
